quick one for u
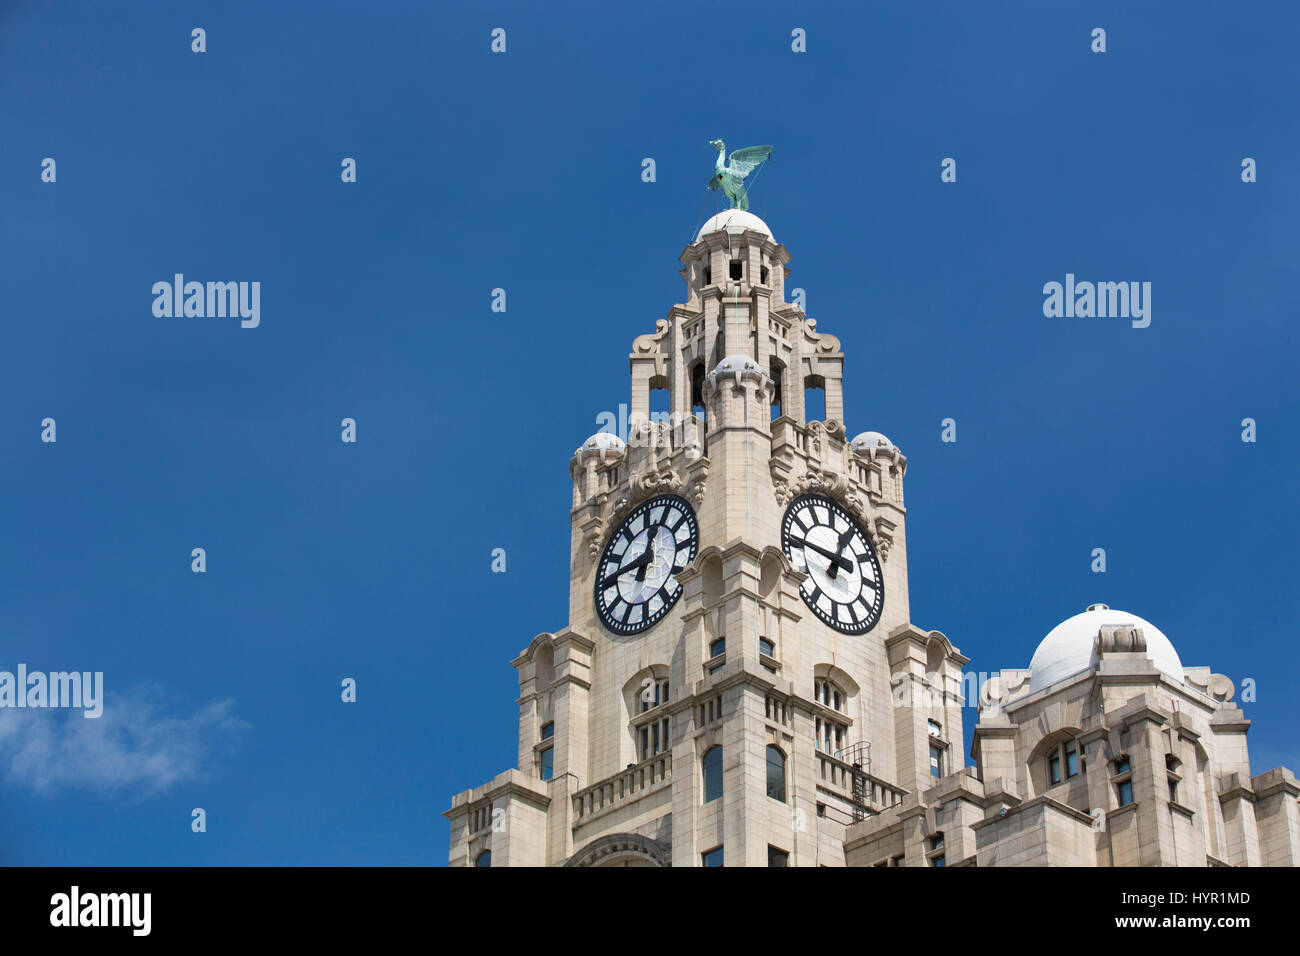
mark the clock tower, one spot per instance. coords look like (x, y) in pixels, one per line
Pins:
(739, 681)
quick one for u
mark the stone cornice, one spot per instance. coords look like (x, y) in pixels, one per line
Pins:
(1042, 800)
(1271, 782)
(1229, 726)
(511, 786)
(570, 636)
(1143, 713)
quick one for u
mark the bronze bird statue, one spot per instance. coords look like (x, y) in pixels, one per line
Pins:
(730, 176)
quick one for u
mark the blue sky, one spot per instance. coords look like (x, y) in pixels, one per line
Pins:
(522, 171)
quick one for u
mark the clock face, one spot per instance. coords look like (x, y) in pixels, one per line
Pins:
(844, 586)
(636, 581)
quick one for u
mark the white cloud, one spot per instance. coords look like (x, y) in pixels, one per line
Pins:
(132, 747)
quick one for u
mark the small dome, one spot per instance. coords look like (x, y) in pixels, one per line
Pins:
(1070, 647)
(734, 221)
(605, 441)
(870, 441)
(737, 363)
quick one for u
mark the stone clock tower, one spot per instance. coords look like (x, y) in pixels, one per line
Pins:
(739, 680)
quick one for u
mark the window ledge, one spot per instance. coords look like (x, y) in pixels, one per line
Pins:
(651, 716)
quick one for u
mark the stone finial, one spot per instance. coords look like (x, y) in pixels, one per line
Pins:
(1120, 638)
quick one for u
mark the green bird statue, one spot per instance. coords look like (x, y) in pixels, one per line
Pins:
(730, 176)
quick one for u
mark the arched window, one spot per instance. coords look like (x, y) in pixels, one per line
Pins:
(544, 667)
(829, 694)
(712, 774)
(484, 858)
(1056, 759)
(775, 773)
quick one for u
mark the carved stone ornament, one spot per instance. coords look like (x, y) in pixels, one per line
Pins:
(654, 483)
(593, 532)
(884, 536)
(642, 486)
(813, 481)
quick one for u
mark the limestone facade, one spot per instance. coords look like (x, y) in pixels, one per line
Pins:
(835, 749)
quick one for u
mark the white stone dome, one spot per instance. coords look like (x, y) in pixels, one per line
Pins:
(734, 221)
(604, 441)
(737, 363)
(870, 441)
(1070, 647)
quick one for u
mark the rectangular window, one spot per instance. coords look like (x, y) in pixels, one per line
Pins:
(548, 763)
(777, 857)
(1125, 793)
(937, 861)
(1071, 760)
(1054, 769)
(718, 647)
(766, 647)
(548, 730)
(1122, 765)
(1173, 790)
(936, 761)
(712, 857)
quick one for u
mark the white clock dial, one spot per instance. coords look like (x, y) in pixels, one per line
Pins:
(636, 582)
(844, 586)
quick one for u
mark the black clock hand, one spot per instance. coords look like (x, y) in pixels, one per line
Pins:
(649, 543)
(836, 560)
(834, 569)
(640, 561)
